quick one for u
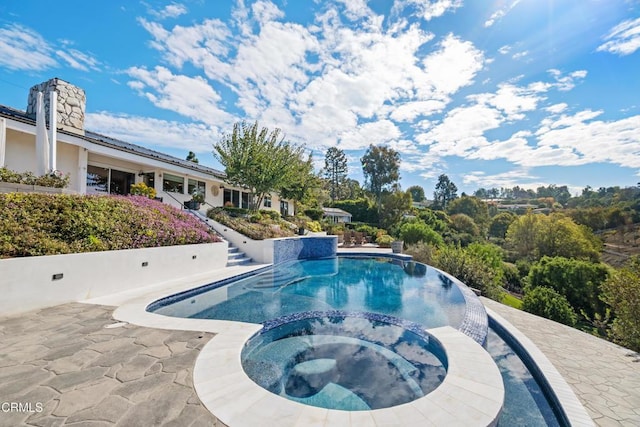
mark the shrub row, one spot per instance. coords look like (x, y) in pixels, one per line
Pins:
(39, 224)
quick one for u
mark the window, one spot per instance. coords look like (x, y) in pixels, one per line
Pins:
(284, 208)
(196, 187)
(97, 180)
(104, 180)
(267, 202)
(237, 198)
(172, 183)
(149, 179)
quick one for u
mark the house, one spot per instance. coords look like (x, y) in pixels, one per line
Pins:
(336, 215)
(99, 164)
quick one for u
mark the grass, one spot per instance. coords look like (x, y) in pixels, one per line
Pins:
(512, 301)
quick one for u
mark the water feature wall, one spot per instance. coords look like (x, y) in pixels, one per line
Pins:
(304, 248)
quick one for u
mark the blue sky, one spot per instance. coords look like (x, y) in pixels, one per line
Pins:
(492, 93)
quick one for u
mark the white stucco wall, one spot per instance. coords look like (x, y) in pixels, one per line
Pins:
(20, 154)
(28, 284)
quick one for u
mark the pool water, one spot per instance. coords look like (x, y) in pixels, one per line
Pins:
(525, 403)
(407, 290)
(351, 361)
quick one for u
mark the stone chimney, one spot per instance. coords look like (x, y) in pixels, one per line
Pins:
(71, 104)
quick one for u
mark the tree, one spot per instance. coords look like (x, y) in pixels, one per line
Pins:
(394, 206)
(622, 292)
(302, 184)
(257, 159)
(335, 172)
(500, 224)
(417, 193)
(533, 236)
(191, 157)
(381, 168)
(474, 208)
(445, 192)
(550, 304)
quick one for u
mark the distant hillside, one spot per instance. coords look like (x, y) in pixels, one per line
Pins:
(620, 243)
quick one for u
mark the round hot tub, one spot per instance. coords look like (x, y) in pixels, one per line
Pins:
(345, 361)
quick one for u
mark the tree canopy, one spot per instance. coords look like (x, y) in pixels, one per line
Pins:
(381, 168)
(445, 192)
(417, 193)
(258, 159)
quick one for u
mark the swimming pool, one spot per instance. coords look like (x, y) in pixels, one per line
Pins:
(406, 290)
(292, 299)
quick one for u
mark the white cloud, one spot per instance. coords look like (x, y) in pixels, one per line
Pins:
(376, 133)
(176, 93)
(24, 49)
(453, 66)
(428, 9)
(78, 60)
(507, 179)
(623, 39)
(500, 13)
(356, 9)
(409, 111)
(567, 82)
(557, 108)
(148, 131)
(172, 10)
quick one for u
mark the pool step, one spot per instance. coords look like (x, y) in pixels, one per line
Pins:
(236, 257)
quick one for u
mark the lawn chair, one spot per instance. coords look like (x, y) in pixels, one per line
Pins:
(358, 238)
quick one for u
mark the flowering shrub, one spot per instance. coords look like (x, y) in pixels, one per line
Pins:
(142, 189)
(263, 228)
(55, 179)
(42, 224)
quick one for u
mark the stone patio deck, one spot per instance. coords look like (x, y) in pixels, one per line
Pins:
(84, 373)
(86, 369)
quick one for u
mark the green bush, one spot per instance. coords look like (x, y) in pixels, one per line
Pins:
(548, 303)
(622, 292)
(260, 230)
(314, 214)
(274, 215)
(236, 212)
(577, 280)
(384, 241)
(418, 231)
(55, 179)
(470, 269)
(43, 224)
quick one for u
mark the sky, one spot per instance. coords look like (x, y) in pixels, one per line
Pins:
(492, 93)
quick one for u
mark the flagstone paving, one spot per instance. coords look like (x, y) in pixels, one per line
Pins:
(74, 365)
(67, 365)
(604, 376)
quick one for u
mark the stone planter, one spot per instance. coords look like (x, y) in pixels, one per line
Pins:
(397, 246)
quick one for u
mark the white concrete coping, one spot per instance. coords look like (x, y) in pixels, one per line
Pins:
(573, 409)
(472, 392)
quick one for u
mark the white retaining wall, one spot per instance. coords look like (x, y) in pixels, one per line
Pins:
(260, 251)
(28, 283)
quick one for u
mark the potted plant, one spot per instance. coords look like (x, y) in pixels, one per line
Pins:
(196, 200)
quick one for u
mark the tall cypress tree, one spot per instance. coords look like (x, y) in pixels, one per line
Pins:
(335, 172)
